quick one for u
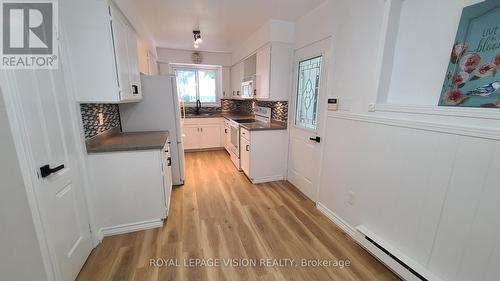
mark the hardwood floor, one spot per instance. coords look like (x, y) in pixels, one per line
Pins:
(219, 216)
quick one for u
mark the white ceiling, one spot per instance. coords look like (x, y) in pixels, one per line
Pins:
(223, 23)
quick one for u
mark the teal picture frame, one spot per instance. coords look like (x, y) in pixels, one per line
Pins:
(473, 74)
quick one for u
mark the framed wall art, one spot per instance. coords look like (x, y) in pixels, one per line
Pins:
(473, 75)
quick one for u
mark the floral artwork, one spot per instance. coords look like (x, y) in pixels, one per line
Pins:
(473, 76)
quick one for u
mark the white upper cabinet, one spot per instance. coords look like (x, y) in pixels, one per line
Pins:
(237, 75)
(102, 47)
(263, 70)
(226, 82)
(273, 70)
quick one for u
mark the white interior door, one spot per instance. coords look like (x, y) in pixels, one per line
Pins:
(306, 120)
(40, 105)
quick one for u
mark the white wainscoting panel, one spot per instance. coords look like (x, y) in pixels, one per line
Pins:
(432, 195)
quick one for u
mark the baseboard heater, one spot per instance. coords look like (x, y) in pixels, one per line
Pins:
(393, 258)
(396, 259)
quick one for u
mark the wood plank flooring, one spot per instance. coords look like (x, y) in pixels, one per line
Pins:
(219, 216)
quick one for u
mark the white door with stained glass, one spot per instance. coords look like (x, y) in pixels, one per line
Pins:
(307, 111)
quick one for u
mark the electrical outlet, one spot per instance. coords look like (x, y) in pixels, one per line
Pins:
(352, 197)
(101, 119)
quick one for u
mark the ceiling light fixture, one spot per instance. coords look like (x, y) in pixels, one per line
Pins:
(197, 38)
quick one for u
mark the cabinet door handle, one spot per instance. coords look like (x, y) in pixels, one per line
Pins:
(169, 161)
(46, 171)
(135, 89)
(225, 131)
(247, 148)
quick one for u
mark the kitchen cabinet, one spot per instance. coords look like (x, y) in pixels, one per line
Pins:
(245, 155)
(263, 155)
(191, 137)
(237, 73)
(249, 66)
(227, 135)
(167, 176)
(103, 52)
(273, 71)
(130, 190)
(203, 133)
(226, 82)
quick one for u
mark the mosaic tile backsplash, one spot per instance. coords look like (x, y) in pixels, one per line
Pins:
(90, 118)
(204, 109)
(279, 109)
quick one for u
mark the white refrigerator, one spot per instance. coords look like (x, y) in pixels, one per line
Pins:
(159, 110)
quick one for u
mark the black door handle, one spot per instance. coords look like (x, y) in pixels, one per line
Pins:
(45, 171)
(169, 161)
(316, 139)
(135, 89)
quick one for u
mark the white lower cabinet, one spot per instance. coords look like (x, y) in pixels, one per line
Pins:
(130, 190)
(263, 154)
(227, 135)
(245, 156)
(203, 133)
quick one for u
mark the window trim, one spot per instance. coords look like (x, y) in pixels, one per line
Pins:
(198, 67)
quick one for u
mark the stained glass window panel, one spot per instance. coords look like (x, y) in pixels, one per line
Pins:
(307, 93)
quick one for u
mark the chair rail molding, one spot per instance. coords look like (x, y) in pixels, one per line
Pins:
(448, 128)
(471, 112)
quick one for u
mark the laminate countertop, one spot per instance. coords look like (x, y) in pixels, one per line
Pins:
(118, 141)
(262, 126)
(256, 126)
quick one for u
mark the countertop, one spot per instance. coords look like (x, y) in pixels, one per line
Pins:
(262, 126)
(117, 141)
(259, 126)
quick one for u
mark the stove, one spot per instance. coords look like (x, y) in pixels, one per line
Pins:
(262, 115)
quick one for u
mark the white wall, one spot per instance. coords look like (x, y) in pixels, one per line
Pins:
(423, 183)
(20, 255)
(355, 47)
(166, 56)
(272, 31)
(423, 49)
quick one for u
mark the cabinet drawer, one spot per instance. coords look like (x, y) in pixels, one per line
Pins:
(244, 133)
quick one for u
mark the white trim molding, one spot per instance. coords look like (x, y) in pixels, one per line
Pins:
(127, 228)
(478, 132)
(466, 112)
(351, 231)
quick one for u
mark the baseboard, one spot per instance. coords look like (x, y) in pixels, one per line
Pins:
(351, 231)
(268, 179)
(358, 236)
(127, 228)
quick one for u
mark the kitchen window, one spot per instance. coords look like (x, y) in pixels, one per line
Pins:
(198, 83)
